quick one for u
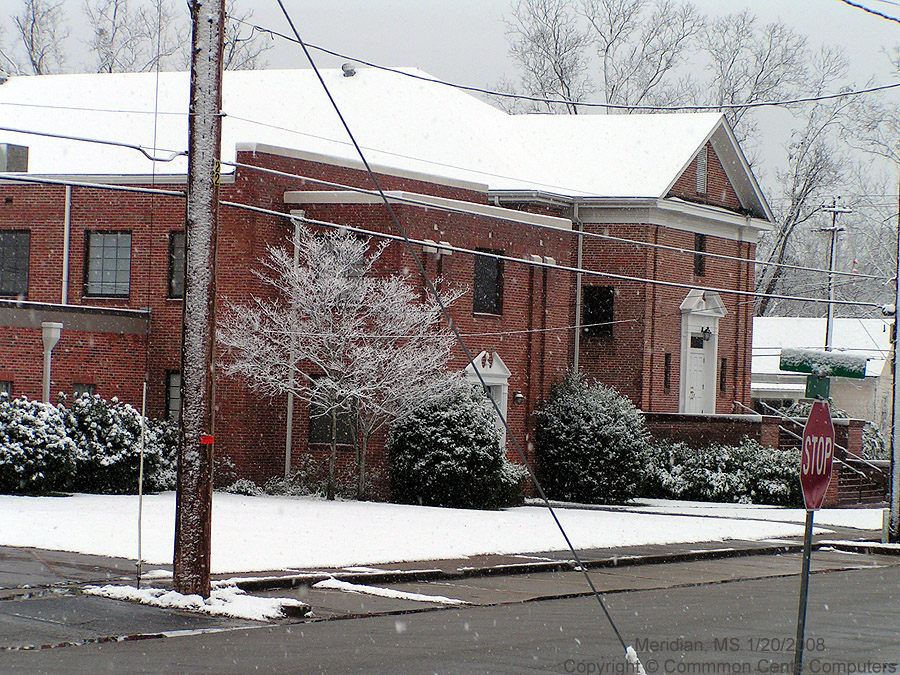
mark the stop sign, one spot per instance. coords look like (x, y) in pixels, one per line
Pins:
(816, 456)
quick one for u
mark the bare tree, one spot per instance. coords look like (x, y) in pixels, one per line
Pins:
(244, 45)
(550, 48)
(41, 31)
(338, 337)
(128, 39)
(640, 46)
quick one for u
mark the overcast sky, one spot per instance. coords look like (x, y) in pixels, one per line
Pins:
(464, 41)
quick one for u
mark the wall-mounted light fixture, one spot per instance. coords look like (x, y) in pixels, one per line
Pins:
(518, 398)
(707, 333)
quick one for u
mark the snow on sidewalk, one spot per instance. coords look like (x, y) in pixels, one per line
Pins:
(269, 533)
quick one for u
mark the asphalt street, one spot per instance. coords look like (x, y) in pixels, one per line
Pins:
(726, 615)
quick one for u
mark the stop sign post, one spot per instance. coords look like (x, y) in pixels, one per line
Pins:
(816, 456)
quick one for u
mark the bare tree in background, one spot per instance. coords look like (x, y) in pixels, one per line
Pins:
(551, 49)
(244, 45)
(41, 32)
(640, 45)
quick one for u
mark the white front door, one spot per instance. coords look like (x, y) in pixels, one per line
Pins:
(699, 395)
(700, 314)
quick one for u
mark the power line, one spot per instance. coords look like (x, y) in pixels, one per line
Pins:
(399, 227)
(175, 154)
(518, 220)
(608, 106)
(871, 11)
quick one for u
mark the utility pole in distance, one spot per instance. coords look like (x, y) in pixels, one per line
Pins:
(193, 501)
(834, 210)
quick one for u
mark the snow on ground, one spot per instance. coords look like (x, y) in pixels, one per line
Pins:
(228, 601)
(271, 533)
(339, 585)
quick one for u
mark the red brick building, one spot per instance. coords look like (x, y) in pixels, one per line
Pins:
(552, 193)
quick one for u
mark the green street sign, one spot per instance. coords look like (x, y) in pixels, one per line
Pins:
(823, 364)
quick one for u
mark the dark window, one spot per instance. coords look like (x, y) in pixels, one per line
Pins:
(667, 371)
(14, 249)
(699, 259)
(598, 314)
(176, 264)
(697, 342)
(488, 293)
(723, 374)
(320, 426)
(82, 389)
(5, 388)
(107, 269)
(173, 396)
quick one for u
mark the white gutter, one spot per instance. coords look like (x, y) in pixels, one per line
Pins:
(67, 233)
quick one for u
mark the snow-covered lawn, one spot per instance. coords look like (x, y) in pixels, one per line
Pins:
(269, 533)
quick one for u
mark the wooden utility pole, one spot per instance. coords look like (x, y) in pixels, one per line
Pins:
(193, 502)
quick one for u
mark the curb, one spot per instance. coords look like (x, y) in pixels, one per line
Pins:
(413, 576)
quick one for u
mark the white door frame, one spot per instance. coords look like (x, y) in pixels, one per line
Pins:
(496, 378)
(700, 314)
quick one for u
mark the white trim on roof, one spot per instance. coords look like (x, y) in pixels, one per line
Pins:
(396, 197)
(357, 164)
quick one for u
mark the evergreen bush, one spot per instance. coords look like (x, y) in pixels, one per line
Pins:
(591, 443)
(448, 454)
(107, 437)
(36, 454)
(748, 473)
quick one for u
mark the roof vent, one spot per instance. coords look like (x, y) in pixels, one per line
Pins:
(13, 158)
(349, 70)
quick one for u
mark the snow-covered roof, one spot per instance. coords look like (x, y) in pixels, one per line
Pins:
(865, 337)
(402, 122)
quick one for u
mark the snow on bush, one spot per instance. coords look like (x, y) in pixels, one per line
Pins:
(591, 443)
(107, 437)
(448, 454)
(748, 473)
(36, 454)
(91, 446)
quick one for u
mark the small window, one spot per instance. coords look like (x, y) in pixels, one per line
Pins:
(702, 169)
(173, 396)
(176, 264)
(107, 269)
(488, 283)
(723, 374)
(697, 342)
(320, 426)
(667, 371)
(699, 258)
(82, 389)
(15, 246)
(598, 315)
(6, 388)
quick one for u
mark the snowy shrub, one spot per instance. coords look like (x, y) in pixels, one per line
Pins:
(244, 486)
(748, 473)
(107, 438)
(448, 454)
(591, 443)
(873, 444)
(36, 455)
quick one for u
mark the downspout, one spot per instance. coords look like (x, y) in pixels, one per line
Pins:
(67, 233)
(289, 422)
(578, 280)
